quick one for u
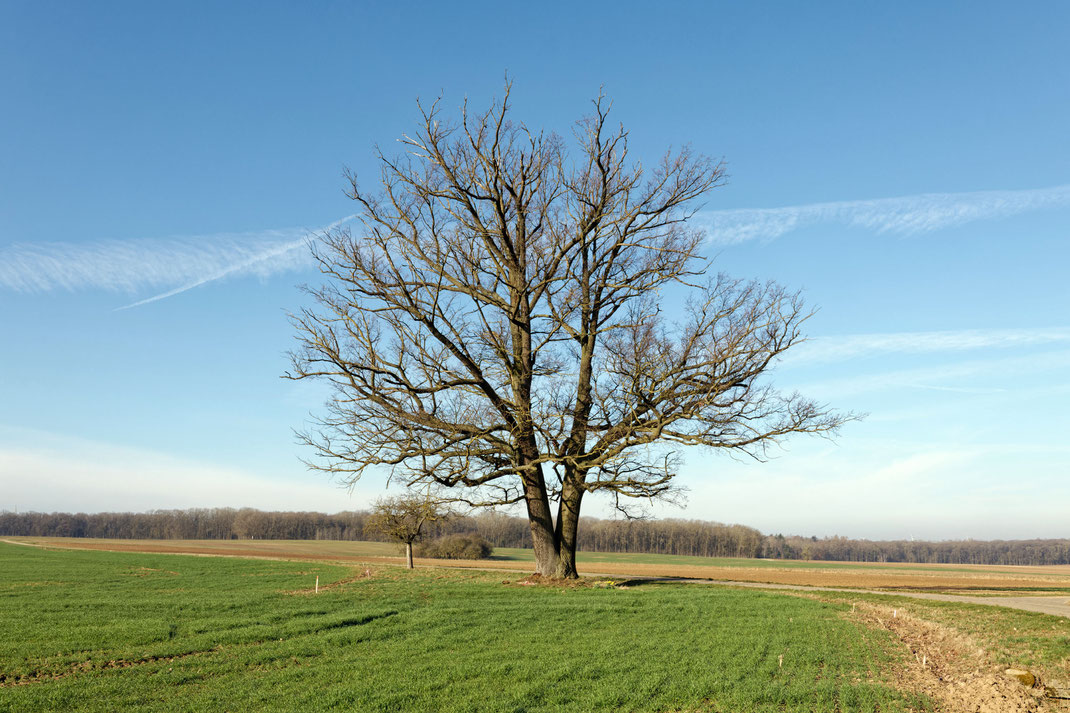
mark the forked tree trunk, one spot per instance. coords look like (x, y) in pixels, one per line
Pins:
(408, 554)
(554, 544)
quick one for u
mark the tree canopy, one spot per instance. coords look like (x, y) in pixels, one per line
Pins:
(494, 327)
(403, 519)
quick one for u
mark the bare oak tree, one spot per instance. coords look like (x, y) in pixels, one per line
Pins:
(494, 328)
(402, 519)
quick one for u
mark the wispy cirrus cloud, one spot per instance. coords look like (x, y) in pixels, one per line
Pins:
(987, 374)
(178, 264)
(907, 215)
(135, 265)
(171, 264)
(854, 346)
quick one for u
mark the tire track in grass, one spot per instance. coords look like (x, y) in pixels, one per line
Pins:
(90, 666)
(8, 680)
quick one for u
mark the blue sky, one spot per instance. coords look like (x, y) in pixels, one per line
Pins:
(907, 165)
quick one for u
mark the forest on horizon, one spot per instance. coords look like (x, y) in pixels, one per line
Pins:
(698, 538)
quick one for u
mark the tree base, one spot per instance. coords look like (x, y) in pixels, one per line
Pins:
(540, 580)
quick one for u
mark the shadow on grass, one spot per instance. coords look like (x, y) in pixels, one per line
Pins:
(354, 621)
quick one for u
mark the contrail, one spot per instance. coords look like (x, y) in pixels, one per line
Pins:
(908, 215)
(135, 265)
(263, 257)
(131, 266)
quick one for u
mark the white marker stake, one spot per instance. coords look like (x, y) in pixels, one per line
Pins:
(317, 584)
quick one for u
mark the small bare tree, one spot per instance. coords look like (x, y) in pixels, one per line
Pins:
(402, 519)
(496, 326)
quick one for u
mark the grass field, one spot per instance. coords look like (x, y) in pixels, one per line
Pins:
(104, 631)
(97, 630)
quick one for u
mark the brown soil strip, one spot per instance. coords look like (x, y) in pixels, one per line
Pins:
(836, 578)
(952, 668)
(1054, 605)
(949, 667)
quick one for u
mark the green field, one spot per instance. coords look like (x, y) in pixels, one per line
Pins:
(103, 631)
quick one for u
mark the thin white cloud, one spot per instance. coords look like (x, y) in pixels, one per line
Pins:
(884, 488)
(175, 264)
(987, 375)
(959, 389)
(855, 346)
(52, 472)
(134, 265)
(908, 215)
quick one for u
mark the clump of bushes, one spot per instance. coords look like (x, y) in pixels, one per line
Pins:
(467, 546)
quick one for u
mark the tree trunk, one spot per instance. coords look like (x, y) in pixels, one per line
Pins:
(568, 522)
(543, 538)
(408, 554)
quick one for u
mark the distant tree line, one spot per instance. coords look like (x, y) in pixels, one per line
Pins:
(696, 538)
(843, 549)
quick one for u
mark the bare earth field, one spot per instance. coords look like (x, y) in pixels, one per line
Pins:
(972, 579)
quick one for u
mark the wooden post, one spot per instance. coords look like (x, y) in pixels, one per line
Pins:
(317, 584)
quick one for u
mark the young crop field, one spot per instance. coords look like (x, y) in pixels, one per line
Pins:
(105, 631)
(85, 630)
